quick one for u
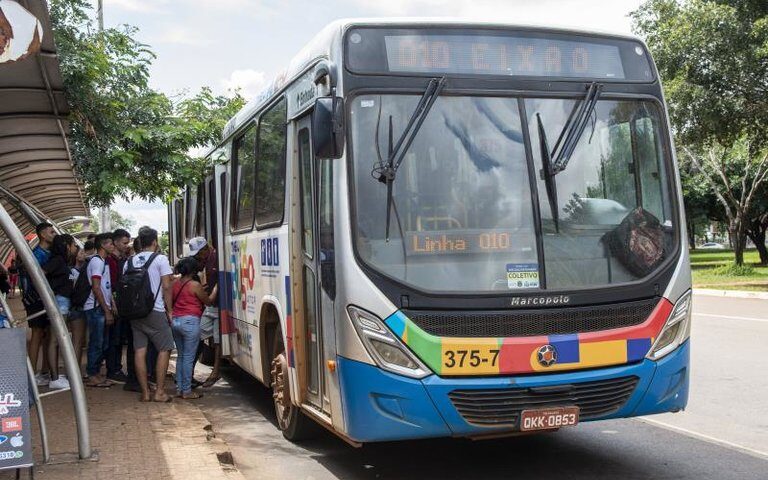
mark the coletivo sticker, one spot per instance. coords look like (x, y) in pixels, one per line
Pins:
(522, 275)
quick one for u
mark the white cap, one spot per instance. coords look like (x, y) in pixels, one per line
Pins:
(196, 244)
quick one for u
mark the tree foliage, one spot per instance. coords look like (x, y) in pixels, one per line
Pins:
(712, 56)
(127, 138)
(736, 177)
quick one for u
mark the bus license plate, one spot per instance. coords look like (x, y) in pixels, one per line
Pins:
(548, 418)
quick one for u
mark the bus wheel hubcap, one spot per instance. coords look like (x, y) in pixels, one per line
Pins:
(281, 393)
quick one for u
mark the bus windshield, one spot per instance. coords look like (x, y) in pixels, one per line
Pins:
(464, 213)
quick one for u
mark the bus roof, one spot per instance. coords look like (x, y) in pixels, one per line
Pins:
(329, 38)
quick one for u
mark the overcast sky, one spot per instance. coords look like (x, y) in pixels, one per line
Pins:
(228, 44)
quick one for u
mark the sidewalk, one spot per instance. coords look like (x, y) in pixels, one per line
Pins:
(131, 440)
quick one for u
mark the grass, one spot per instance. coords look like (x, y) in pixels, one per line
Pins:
(714, 269)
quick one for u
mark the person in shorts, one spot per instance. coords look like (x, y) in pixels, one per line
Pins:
(155, 328)
(76, 320)
(57, 272)
(33, 304)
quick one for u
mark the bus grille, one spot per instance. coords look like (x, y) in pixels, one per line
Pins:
(502, 407)
(528, 323)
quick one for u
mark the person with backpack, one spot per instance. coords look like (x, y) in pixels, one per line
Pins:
(189, 299)
(33, 304)
(57, 272)
(99, 308)
(76, 321)
(144, 298)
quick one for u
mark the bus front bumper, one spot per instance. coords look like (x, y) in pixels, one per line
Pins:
(381, 406)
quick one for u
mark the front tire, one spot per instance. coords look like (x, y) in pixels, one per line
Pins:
(292, 422)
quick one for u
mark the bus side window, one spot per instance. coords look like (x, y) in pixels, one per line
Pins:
(270, 166)
(244, 172)
(224, 194)
(327, 250)
(211, 212)
(190, 198)
(178, 207)
(200, 212)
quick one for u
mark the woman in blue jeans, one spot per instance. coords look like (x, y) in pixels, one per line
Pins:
(189, 300)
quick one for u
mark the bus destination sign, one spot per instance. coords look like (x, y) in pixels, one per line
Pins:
(422, 51)
(502, 56)
(436, 242)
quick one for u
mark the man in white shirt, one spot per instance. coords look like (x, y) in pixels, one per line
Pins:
(156, 327)
(99, 308)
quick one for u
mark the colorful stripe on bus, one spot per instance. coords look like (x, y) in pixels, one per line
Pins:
(454, 356)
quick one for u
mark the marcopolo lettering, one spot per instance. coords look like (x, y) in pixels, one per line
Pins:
(539, 301)
(305, 96)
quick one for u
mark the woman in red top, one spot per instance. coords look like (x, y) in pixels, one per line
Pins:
(189, 299)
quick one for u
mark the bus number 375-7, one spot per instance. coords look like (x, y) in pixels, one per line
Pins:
(472, 358)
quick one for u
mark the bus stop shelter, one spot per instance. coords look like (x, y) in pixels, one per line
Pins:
(37, 179)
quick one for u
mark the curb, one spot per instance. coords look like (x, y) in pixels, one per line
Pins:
(730, 293)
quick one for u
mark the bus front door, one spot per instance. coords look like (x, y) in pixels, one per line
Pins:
(314, 354)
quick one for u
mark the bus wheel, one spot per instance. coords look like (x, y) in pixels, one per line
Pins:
(294, 424)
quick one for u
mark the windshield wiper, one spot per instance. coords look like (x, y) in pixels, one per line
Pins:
(386, 173)
(556, 160)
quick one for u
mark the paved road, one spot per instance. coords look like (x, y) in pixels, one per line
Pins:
(722, 435)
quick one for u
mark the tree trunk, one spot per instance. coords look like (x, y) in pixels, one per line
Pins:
(756, 233)
(691, 234)
(738, 239)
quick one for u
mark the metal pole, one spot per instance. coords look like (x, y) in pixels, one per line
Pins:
(35, 391)
(39, 411)
(59, 327)
(100, 13)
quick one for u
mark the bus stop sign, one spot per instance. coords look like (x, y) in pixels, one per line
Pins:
(15, 438)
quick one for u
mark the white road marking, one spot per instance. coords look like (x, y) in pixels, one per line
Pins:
(732, 317)
(706, 438)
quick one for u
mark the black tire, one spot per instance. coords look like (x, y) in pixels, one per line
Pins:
(294, 424)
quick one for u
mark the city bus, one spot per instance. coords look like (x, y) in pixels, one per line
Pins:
(435, 228)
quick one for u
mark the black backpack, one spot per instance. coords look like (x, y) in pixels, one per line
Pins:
(637, 242)
(134, 296)
(82, 289)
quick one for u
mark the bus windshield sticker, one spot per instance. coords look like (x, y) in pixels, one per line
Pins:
(522, 275)
(366, 103)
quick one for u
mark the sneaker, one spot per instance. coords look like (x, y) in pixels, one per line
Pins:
(42, 379)
(60, 383)
(118, 377)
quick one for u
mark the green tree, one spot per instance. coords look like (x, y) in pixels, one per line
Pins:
(736, 177)
(126, 137)
(164, 241)
(713, 58)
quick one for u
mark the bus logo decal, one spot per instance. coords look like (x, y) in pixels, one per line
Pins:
(547, 355)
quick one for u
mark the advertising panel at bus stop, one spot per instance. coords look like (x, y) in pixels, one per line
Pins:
(15, 432)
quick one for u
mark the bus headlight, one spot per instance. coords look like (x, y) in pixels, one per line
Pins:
(388, 351)
(675, 331)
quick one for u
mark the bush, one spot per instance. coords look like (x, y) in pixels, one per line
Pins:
(734, 270)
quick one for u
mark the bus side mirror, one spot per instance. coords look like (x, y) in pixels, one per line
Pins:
(328, 127)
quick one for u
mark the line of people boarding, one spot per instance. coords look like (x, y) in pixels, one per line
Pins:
(124, 293)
